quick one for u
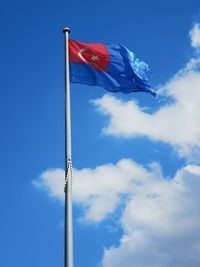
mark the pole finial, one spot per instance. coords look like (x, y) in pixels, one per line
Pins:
(66, 30)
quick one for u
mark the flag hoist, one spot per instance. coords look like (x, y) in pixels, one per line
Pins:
(68, 238)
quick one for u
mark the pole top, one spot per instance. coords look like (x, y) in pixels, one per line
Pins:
(66, 30)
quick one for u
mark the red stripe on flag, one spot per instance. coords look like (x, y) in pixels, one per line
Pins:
(95, 55)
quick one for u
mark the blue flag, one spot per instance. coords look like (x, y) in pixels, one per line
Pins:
(112, 67)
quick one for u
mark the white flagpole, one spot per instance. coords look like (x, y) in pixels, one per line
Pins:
(68, 250)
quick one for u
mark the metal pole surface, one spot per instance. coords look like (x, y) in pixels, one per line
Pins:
(68, 247)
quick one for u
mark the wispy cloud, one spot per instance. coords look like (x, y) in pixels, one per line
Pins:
(195, 36)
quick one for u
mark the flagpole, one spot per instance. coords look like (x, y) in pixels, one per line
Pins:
(68, 238)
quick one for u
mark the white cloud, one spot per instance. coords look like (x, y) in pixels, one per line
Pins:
(176, 123)
(160, 221)
(195, 35)
(52, 181)
(161, 224)
(99, 190)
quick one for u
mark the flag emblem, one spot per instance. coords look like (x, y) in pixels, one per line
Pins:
(95, 55)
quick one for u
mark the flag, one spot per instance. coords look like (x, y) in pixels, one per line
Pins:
(112, 67)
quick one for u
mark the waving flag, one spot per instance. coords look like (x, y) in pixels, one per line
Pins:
(112, 67)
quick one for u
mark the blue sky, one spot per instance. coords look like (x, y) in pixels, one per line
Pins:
(136, 158)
